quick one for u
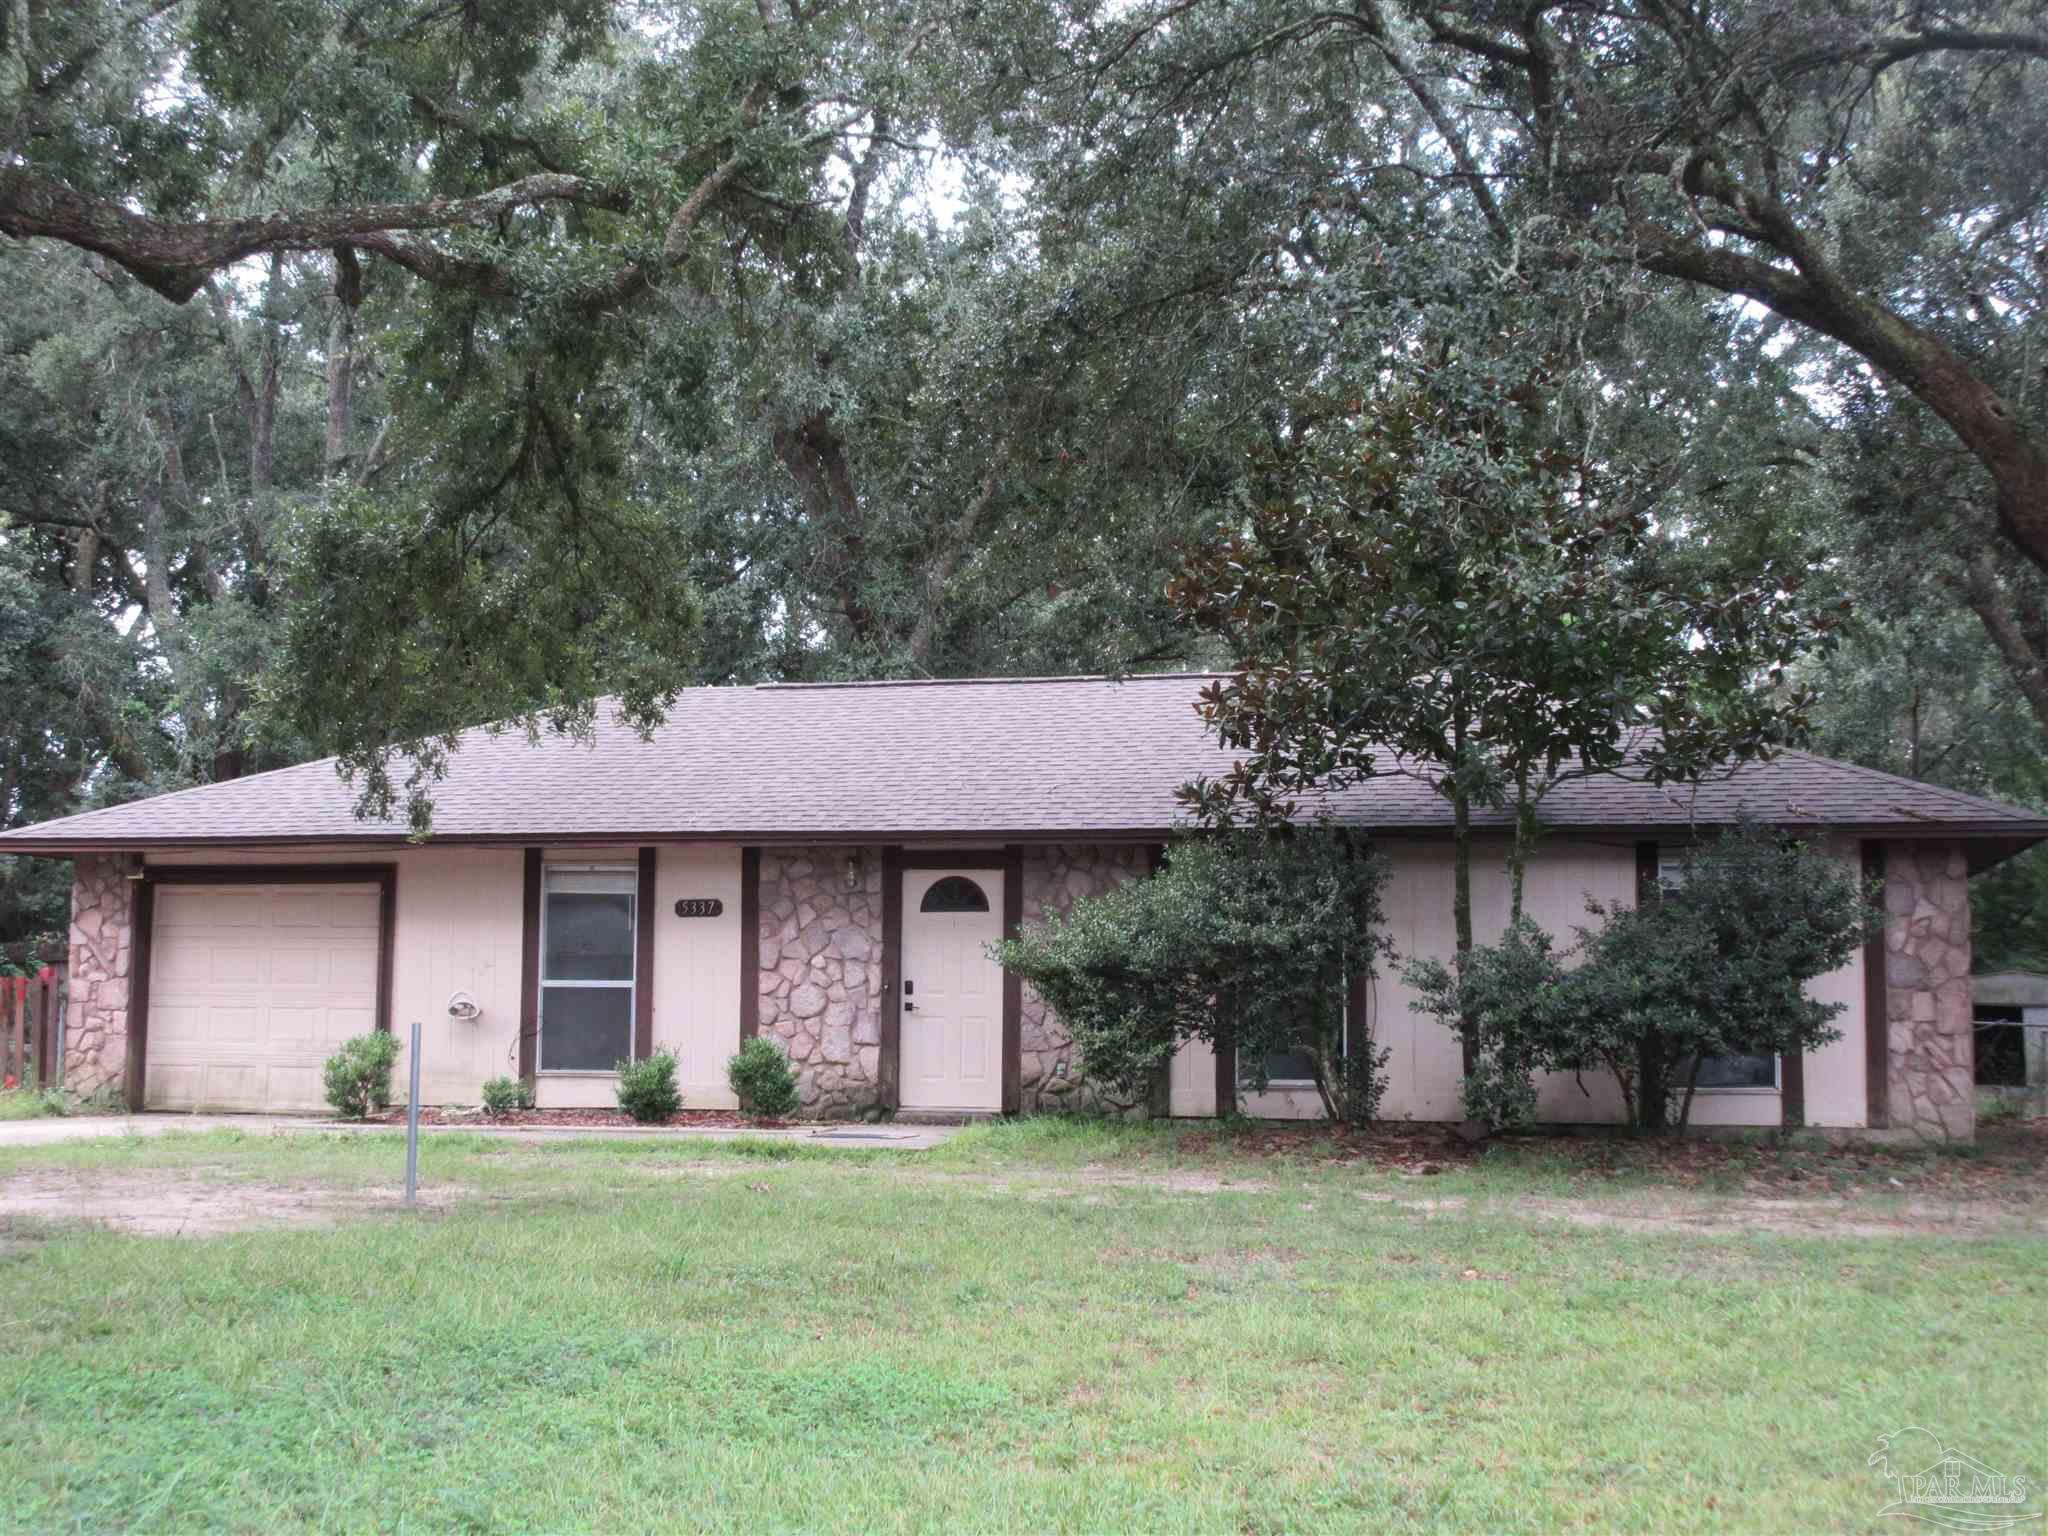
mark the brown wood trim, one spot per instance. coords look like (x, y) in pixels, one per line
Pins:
(387, 944)
(143, 918)
(643, 959)
(529, 965)
(954, 858)
(889, 1083)
(268, 874)
(1226, 1080)
(1013, 984)
(1876, 1007)
(750, 943)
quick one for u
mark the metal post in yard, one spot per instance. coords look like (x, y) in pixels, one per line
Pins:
(412, 1123)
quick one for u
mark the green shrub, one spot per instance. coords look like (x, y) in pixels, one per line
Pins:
(1243, 940)
(32, 1103)
(504, 1094)
(760, 1075)
(358, 1076)
(647, 1089)
(1717, 966)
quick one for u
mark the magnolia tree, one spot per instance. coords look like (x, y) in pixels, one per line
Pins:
(1244, 940)
(1718, 965)
(1429, 583)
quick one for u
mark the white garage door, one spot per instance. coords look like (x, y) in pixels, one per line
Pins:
(251, 987)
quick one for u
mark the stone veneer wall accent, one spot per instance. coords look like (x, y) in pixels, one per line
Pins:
(102, 945)
(1930, 1047)
(1055, 875)
(821, 973)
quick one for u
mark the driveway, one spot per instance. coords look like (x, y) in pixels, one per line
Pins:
(44, 1132)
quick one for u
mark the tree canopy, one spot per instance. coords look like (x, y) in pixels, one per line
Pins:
(374, 368)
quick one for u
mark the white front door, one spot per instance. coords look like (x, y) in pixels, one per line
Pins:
(951, 1041)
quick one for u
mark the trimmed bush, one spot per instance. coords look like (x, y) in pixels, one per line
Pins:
(502, 1095)
(1243, 941)
(647, 1089)
(358, 1076)
(760, 1075)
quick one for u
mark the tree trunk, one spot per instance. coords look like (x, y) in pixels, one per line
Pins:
(1518, 852)
(1652, 1092)
(341, 365)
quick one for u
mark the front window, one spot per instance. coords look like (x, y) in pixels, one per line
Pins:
(1738, 1072)
(586, 968)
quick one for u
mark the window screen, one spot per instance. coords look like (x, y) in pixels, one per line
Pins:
(586, 968)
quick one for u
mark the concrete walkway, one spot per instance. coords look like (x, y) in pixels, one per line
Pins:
(45, 1132)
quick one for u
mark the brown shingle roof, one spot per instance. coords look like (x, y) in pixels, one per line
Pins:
(994, 759)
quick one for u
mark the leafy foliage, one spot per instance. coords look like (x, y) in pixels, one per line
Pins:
(501, 1095)
(357, 1078)
(1243, 940)
(647, 1089)
(1430, 584)
(1716, 966)
(761, 1078)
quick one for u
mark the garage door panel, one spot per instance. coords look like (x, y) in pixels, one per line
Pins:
(179, 965)
(234, 1023)
(252, 988)
(327, 909)
(240, 964)
(353, 970)
(172, 1024)
(175, 1085)
(211, 909)
(296, 1088)
(300, 967)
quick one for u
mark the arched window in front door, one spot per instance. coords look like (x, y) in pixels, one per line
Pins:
(955, 893)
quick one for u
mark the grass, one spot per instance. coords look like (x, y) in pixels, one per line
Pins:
(1047, 1326)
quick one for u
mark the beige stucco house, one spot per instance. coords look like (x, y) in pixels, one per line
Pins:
(826, 865)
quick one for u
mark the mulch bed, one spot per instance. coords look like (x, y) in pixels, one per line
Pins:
(585, 1120)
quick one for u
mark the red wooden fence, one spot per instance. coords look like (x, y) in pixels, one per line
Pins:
(31, 1025)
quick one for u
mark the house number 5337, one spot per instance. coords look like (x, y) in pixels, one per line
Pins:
(700, 906)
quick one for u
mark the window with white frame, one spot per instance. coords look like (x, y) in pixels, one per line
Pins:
(586, 967)
(1718, 1072)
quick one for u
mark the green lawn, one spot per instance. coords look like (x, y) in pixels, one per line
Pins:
(1037, 1327)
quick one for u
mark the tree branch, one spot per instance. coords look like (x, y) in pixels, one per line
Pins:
(175, 257)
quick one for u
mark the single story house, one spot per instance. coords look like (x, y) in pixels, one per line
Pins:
(826, 865)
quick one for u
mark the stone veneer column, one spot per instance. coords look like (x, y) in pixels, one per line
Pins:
(821, 972)
(102, 942)
(1055, 876)
(1930, 1045)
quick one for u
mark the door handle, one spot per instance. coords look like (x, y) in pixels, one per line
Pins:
(909, 1006)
